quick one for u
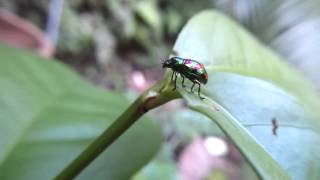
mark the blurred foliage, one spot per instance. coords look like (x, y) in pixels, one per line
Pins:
(185, 125)
(76, 33)
(34, 10)
(98, 35)
(163, 166)
(151, 24)
(142, 31)
(217, 175)
(289, 27)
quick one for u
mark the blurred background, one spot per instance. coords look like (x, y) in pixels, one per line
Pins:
(119, 45)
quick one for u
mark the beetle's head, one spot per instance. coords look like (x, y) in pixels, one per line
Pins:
(169, 62)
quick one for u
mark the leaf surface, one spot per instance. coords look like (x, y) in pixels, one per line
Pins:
(48, 115)
(249, 87)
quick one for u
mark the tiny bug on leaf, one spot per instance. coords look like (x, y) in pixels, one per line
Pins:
(191, 69)
(274, 126)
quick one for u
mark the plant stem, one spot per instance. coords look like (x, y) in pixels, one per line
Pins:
(147, 101)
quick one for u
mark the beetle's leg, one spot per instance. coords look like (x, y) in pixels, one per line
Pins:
(199, 89)
(175, 81)
(172, 76)
(192, 86)
(183, 81)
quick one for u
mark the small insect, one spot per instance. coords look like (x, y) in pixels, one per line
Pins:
(188, 68)
(274, 126)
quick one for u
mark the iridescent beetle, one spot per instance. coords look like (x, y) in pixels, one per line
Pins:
(188, 68)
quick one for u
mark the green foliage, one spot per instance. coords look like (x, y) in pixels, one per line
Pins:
(48, 115)
(149, 12)
(150, 23)
(250, 86)
(189, 125)
(161, 167)
(75, 35)
(289, 27)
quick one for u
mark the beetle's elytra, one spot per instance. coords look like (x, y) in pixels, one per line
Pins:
(191, 69)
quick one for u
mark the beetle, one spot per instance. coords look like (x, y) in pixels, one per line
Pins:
(191, 69)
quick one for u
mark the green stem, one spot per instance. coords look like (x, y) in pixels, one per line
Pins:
(149, 100)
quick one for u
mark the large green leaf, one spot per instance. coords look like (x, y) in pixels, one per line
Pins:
(248, 87)
(48, 115)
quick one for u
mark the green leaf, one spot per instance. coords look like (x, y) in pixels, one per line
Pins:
(189, 125)
(149, 12)
(48, 115)
(248, 87)
(163, 166)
